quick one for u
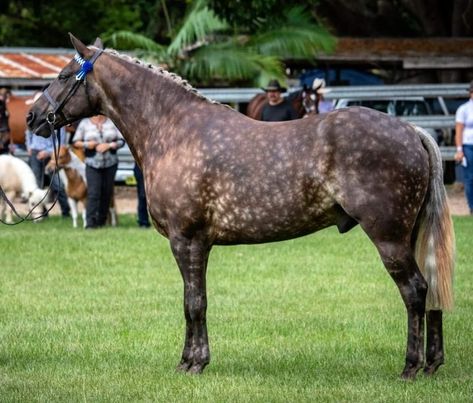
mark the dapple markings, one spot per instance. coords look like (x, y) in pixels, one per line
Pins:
(216, 177)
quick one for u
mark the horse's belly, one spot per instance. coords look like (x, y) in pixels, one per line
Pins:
(258, 224)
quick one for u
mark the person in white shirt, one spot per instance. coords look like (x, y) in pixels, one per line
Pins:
(464, 143)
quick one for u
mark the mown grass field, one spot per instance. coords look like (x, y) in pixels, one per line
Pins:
(97, 317)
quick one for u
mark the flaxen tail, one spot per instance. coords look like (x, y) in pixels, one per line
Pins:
(435, 243)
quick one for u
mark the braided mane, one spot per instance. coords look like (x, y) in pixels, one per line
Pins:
(161, 72)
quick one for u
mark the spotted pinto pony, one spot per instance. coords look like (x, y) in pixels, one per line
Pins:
(216, 177)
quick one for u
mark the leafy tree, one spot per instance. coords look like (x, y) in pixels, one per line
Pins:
(45, 23)
(397, 18)
(252, 15)
(205, 48)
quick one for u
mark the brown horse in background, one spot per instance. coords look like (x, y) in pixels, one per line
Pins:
(301, 101)
(13, 111)
(215, 177)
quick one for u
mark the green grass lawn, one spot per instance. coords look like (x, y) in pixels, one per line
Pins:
(97, 316)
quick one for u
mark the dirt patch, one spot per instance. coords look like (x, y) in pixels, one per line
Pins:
(457, 200)
(126, 201)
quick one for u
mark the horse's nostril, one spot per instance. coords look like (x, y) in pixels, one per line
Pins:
(30, 118)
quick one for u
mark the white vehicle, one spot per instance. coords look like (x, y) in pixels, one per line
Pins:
(407, 106)
(124, 174)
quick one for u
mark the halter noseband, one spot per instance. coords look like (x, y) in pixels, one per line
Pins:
(86, 66)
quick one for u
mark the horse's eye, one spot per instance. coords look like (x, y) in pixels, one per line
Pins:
(63, 77)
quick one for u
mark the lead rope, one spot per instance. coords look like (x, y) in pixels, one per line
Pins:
(56, 144)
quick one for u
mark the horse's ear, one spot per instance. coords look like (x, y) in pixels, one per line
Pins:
(79, 46)
(98, 43)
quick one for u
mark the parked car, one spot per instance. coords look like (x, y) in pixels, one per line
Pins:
(125, 175)
(402, 107)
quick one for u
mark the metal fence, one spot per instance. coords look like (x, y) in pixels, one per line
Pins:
(237, 96)
(439, 92)
(241, 95)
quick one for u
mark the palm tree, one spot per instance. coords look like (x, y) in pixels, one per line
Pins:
(206, 50)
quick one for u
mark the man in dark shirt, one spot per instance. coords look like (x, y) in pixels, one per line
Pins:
(277, 108)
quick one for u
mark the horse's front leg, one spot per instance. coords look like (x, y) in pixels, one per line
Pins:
(192, 255)
(7, 212)
(73, 207)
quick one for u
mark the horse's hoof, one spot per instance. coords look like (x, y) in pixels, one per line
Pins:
(431, 368)
(409, 373)
(408, 376)
(196, 369)
(183, 366)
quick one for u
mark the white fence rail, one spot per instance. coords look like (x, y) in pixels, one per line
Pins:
(240, 95)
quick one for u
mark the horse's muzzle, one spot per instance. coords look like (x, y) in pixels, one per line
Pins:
(42, 129)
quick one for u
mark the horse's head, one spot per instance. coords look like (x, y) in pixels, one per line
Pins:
(71, 96)
(37, 202)
(309, 101)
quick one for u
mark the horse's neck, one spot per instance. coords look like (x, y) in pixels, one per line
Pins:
(153, 104)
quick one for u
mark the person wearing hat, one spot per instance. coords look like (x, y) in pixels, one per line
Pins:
(464, 143)
(277, 108)
(318, 88)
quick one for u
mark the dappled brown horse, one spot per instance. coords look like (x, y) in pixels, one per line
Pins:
(215, 177)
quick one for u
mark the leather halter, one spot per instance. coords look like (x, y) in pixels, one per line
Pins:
(86, 67)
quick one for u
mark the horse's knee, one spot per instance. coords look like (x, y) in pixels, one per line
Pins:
(196, 306)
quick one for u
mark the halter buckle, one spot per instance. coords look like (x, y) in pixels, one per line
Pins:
(51, 118)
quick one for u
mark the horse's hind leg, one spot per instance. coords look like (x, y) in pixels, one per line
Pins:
(434, 350)
(192, 255)
(401, 265)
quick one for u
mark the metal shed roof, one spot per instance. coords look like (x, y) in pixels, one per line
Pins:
(35, 66)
